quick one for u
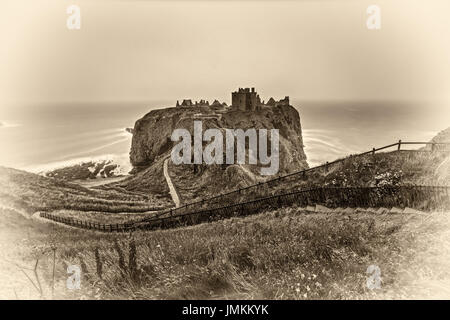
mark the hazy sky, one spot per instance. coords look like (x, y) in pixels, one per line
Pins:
(141, 50)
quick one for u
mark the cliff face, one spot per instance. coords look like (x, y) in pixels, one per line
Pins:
(151, 134)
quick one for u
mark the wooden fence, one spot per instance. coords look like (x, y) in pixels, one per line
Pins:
(232, 196)
(418, 197)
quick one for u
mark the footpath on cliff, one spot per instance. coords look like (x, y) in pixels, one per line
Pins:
(172, 190)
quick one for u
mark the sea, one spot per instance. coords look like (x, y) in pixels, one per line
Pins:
(39, 138)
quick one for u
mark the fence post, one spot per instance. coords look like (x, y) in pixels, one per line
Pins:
(432, 146)
(399, 144)
(373, 151)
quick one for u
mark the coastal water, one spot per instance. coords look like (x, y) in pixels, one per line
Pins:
(333, 129)
(51, 136)
(37, 138)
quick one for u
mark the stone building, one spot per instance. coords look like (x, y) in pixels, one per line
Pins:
(189, 103)
(283, 102)
(271, 102)
(185, 103)
(245, 99)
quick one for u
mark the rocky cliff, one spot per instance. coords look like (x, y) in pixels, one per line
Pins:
(151, 134)
(152, 141)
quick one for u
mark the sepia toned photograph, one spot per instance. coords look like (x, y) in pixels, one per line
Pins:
(250, 151)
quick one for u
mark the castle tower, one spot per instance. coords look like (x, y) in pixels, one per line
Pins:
(245, 99)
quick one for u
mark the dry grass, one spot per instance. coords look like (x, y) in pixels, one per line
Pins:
(381, 169)
(32, 193)
(424, 265)
(284, 254)
(102, 217)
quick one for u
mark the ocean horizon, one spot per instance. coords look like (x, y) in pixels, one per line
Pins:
(53, 136)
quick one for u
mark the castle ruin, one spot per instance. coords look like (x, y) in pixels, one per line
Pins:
(245, 99)
(189, 103)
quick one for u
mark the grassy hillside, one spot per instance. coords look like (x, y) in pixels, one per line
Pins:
(287, 253)
(282, 254)
(30, 192)
(380, 169)
(149, 180)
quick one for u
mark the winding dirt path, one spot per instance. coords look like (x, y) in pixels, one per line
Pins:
(172, 190)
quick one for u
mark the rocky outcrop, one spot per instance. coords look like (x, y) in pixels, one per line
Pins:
(85, 170)
(151, 134)
(152, 142)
